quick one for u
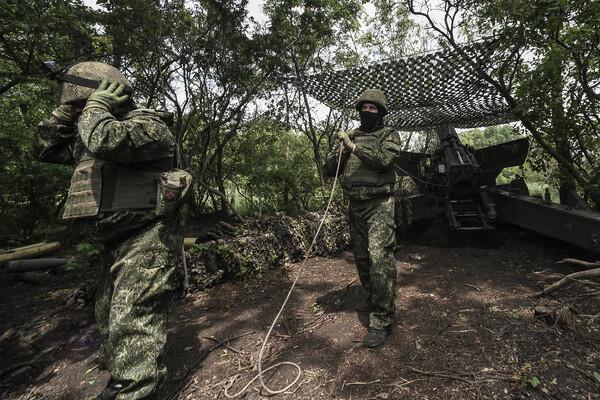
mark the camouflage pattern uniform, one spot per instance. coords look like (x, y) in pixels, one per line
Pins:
(367, 177)
(141, 251)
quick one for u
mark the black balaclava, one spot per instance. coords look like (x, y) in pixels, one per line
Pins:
(370, 122)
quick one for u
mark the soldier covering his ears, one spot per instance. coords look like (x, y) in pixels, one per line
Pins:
(125, 192)
(367, 176)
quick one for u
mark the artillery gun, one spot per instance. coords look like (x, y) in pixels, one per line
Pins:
(452, 181)
(443, 91)
(459, 183)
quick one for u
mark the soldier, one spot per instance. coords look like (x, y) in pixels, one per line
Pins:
(367, 177)
(126, 194)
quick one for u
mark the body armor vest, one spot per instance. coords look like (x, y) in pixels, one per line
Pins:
(358, 173)
(99, 186)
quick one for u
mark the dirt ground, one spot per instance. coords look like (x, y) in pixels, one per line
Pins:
(465, 329)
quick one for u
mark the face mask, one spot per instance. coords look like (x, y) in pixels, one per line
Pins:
(368, 120)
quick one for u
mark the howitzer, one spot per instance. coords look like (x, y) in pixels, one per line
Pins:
(458, 183)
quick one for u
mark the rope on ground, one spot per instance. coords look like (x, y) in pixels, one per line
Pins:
(261, 372)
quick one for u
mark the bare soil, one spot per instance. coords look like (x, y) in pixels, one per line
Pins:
(465, 329)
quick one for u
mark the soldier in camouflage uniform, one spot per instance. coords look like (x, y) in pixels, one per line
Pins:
(367, 176)
(120, 152)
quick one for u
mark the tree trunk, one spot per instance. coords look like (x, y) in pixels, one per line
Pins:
(219, 179)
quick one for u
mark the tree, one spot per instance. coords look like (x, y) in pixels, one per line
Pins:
(306, 35)
(543, 63)
(32, 32)
(271, 168)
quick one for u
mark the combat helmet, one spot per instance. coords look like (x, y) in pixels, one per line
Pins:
(89, 71)
(375, 96)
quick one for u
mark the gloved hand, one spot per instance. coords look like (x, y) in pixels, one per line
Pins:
(65, 114)
(108, 96)
(345, 139)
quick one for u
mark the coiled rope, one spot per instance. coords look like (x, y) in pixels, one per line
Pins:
(261, 372)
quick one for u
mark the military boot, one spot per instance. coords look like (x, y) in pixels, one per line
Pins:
(375, 337)
(111, 391)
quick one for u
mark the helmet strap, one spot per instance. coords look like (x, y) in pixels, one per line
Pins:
(90, 83)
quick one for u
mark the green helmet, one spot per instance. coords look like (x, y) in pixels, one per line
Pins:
(92, 70)
(375, 96)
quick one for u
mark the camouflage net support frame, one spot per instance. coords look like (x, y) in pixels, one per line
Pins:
(424, 91)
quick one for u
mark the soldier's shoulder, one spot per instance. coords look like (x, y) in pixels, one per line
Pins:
(160, 116)
(387, 132)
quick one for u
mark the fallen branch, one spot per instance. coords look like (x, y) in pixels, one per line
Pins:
(214, 339)
(360, 383)
(439, 374)
(473, 287)
(582, 372)
(461, 376)
(579, 262)
(591, 273)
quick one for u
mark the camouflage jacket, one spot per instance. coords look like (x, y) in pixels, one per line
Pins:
(138, 137)
(368, 172)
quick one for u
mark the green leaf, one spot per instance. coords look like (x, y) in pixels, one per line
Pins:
(596, 376)
(534, 382)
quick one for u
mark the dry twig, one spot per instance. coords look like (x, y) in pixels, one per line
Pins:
(462, 376)
(591, 273)
(360, 383)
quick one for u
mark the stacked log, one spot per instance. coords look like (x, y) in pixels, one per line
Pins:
(30, 251)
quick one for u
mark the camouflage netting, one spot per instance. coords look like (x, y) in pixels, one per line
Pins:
(265, 244)
(423, 91)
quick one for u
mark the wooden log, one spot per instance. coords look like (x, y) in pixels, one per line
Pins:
(29, 252)
(35, 264)
(17, 249)
(189, 242)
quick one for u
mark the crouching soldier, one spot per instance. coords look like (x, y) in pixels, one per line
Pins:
(368, 178)
(124, 191)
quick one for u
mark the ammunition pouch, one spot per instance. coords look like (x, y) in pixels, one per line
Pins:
(172, 191)
(98, 187)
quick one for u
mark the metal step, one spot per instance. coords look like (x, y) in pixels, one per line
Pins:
(466, 215)
(471, 228)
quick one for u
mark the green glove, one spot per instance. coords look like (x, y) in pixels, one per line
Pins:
(108, 96)
(345, 139)
(65, 114)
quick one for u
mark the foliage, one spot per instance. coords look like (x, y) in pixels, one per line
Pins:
(32, 32)
(489, 136)
(538, 179)
(545, 63)
(252, 141)
(31, 191)
(284, 179)
(534, 382)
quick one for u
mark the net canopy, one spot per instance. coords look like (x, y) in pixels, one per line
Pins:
(432, 89)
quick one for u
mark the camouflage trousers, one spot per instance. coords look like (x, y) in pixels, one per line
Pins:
(372, 229)
(139, 275)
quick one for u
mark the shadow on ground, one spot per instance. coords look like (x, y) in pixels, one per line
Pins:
(465, 329)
